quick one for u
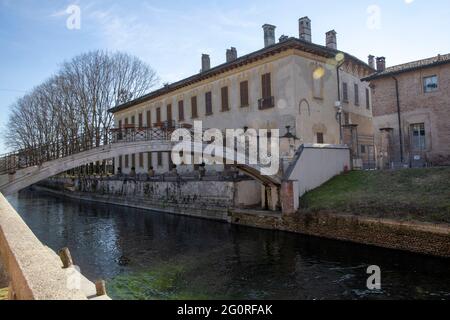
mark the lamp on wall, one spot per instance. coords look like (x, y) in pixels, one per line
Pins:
(290, 138)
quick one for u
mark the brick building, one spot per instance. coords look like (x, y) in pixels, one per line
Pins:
(411, 109)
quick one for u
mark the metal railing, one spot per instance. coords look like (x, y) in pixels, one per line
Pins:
(36, 155)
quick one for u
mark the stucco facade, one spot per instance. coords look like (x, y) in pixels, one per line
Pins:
(303, 84)
(423, 114)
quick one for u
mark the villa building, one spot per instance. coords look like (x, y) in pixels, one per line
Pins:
(411, 107)
(311, 91)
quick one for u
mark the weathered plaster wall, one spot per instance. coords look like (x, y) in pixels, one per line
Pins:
(207, 199)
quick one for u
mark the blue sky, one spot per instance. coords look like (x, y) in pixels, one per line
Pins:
(171, 35)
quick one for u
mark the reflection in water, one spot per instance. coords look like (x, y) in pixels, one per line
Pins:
(148, 255)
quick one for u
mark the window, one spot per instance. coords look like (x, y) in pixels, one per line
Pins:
(120, 162)
(345, 92)
(356, 95)
(133, 120)
(133, 161)
(194, 112)
(266, 86)
(318, 82)
(244, 94)
(120, 124)
(181, 110)
(267, 100)
(160, 159)
(169, 112)
(127, 159)
(418, 142)
(149, 160)
(141, 160)
(367, 99)
(224, 92)
(208, 103)
(363, 149)
(158, 115)
(430, 84)
(149, 119)
(141, 121)
(320, 139)
(126, 121)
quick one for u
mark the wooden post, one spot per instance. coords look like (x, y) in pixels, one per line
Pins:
(66, 258)
(100, 287)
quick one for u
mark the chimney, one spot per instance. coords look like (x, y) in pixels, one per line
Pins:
(372, 61)
(269, 35)
(381, 64)
(231, 54)
(331, 39)
(304, 26)
(206, 62)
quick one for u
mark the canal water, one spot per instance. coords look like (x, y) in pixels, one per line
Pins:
(151, 255)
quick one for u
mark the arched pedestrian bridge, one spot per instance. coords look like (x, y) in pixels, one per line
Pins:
(24, 168)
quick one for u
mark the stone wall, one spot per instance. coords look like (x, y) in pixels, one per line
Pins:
(414, 237)
(207, 199)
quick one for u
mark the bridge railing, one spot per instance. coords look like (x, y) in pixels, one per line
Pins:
(36, 155)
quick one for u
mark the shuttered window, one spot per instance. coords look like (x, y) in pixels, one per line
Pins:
(181, 110)
(141, 160)
(208, 103)
(266, 86)
(356, 95)
(345, 92)
(141, 121)
(244, 94)
(160, 163)
(367, 99)
(149, 160)
(158, 115)
(169, 112)
(194, 111)
(133, 161)
(224, 93)
(149, 119)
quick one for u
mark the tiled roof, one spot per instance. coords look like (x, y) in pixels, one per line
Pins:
(290, 43)
(411, 66)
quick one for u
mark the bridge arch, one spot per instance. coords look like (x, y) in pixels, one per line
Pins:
(11, 183)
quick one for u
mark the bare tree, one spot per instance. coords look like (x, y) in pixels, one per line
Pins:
(77, 99)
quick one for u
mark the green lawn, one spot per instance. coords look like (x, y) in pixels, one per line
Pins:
(415, 194)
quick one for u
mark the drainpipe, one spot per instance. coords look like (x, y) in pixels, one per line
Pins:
(341, 138)
(400, 131)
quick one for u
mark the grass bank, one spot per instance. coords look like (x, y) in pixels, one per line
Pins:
(414, 194)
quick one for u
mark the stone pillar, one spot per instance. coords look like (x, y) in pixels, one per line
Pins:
(288, 201)
(273, 198)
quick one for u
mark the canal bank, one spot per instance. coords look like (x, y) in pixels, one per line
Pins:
(417, 237)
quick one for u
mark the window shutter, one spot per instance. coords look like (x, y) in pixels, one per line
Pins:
(141, 123)
(244, 94)
(181, 110)
(208, 103)
(194, 107)
(169, 112)
(225, 106)
(149, 119)
(266, 86)
(149, 160)
(141, 160)
(158, 115)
